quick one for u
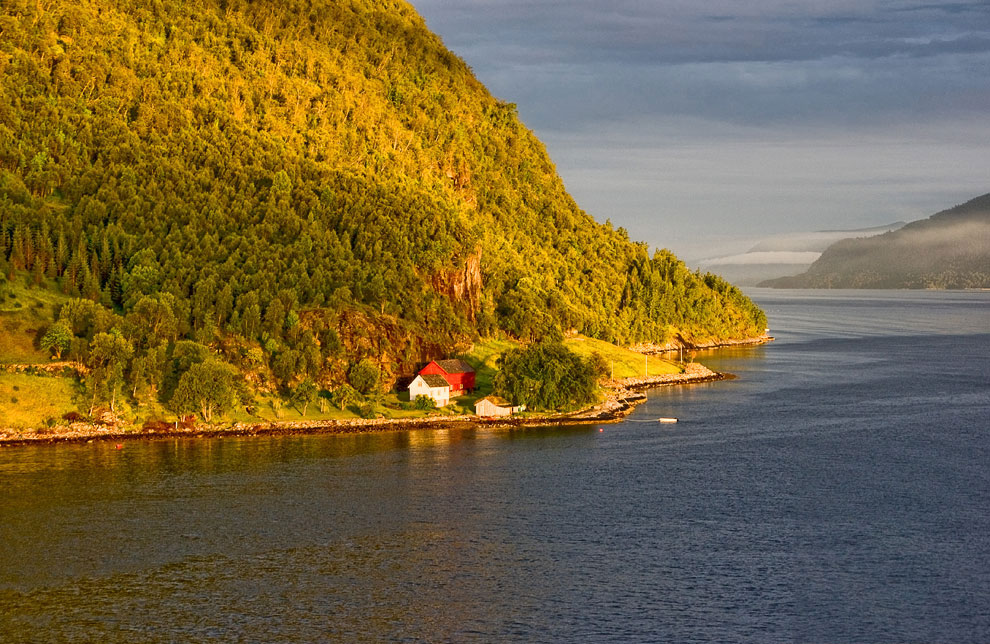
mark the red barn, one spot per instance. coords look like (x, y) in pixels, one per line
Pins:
(458, 373)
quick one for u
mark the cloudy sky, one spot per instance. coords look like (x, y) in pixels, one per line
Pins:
(704, 126)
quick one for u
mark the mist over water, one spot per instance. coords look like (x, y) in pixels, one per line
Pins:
(837, 490)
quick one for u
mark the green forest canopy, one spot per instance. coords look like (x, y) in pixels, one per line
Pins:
(296, 186)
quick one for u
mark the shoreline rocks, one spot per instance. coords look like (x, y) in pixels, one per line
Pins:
(674, 347)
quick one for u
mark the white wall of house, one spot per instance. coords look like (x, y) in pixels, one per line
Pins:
(440, 395)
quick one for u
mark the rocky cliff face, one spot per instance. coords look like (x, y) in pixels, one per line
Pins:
(463, 285)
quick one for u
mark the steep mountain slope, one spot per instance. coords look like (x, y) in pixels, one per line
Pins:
(298, 184)
(950, 249)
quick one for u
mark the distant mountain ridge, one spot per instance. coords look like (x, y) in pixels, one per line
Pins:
(949, 250)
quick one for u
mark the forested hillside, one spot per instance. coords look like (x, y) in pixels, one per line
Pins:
(950, 249)
(293, 186)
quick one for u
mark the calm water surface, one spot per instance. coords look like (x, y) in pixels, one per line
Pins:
(837, 491)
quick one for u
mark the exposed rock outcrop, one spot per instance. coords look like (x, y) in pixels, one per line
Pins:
(463, 284)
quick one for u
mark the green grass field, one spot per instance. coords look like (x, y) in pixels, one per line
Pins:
(626, 363)
(24, 314)
(484, 356)
(29, 402)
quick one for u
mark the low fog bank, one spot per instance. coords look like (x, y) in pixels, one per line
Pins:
(781, 255)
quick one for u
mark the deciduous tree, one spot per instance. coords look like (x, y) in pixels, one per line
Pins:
(547, 376)
(304, 394)
(57, 339)
(206, 388)
(108, 355)
(365, 376)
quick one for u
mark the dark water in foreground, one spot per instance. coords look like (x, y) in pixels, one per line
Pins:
(837, 491)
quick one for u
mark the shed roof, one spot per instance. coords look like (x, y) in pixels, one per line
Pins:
(434, 380)
(495, 400)
(455, 366)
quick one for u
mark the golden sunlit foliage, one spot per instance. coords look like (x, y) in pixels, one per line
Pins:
(239, 175)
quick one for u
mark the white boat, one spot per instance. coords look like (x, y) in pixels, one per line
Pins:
(666, 420)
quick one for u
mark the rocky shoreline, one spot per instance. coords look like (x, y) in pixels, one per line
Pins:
(621, 399)
(674, 347)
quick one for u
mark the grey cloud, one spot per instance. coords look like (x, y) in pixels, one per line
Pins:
(692, 185)
(705, 125)
(674, 32)
(842, 90)
(978, 8)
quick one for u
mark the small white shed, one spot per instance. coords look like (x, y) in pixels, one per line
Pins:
(490, 406)
(432, 386)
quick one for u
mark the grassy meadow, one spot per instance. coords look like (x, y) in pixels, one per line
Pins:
(24, 315)
(31, 402)
(624, 363)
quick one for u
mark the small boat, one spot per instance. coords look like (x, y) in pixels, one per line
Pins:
(666, 420)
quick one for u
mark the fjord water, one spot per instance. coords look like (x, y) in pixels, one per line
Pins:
(838, 490)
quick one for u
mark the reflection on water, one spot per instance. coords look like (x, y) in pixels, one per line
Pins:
(339, 594)
(834, 491)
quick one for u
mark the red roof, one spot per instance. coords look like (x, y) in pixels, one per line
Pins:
(455, 366)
